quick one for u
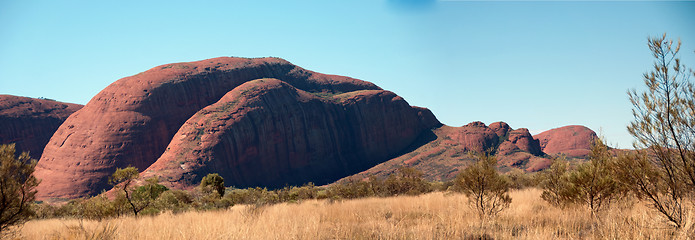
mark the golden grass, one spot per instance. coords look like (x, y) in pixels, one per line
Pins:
(431, 216)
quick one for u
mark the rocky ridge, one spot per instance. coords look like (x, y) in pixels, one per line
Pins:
(574, 141)
(268, 133)
(265, 122)
(29, 123)
(447, 150)
(134, 120)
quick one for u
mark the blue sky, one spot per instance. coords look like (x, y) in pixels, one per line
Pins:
(537, 65)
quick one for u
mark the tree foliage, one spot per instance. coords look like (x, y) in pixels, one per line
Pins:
(593, 184)
(663, 171)
(138, 198)
(17, 186)
(123, 179)
(486, 189)
(555, 183)
(212, 182)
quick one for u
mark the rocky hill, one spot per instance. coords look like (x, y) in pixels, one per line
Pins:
(441, 154)
(574, 141)
(265, 122)
(211, 116)
(30, 122)
(268, 133)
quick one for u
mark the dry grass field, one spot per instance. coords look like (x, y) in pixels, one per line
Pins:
(432, 216)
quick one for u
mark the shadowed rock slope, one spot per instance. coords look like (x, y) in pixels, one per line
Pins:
(269, 133)
(30, 122)
(211, 116)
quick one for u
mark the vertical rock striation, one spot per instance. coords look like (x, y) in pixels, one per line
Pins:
(133, 120)
(269, 133)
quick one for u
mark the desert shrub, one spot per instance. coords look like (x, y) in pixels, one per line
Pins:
(486, 189)
(144, 196)
(407, 181)
(294, 194)
(17, 186)
(212, 182)
(519, 179)
(663, 170)
(253, 196)
(593, 184)
(555, 183)
(97, 208)
(44, 210)
(139, 198)
(307, 191)
(209, 201)
(69, 209)
(121, 206)
(123, 179)
(175, 201)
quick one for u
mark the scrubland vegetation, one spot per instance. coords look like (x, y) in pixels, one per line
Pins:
(437, 215)
(647, 193)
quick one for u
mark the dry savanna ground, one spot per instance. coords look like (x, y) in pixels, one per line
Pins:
(439, 215)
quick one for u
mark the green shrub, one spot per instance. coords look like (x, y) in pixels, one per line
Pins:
(520, 179)
(212, 182)
(556, 185)
(593, 184)
(17, 186)
(486, 189)
(97, 208)
(175, 201)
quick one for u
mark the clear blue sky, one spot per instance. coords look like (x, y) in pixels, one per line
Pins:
(537, 65)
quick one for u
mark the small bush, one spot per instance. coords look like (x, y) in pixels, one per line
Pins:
(97, 208)
(555, 184)
(486, 189)
(17, 186)
(212, 182)
(518, 179)
(593, 184)
(175, 201)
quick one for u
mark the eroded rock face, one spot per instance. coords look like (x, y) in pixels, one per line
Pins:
(30, 122)
(427, 118)
(133, 120)
(269, 133)
(500, 128)
(448, 150)
(572, 141)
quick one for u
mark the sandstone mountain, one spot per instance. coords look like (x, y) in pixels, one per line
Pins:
(30, 122)
(211, 116)
(265, 122)
(573, 141)
(447, 150)
(268, 133)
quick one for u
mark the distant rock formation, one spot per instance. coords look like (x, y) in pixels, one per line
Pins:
(441, 154)
(258, 122)
(573, 141)
(182, 114)
(30, 122)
